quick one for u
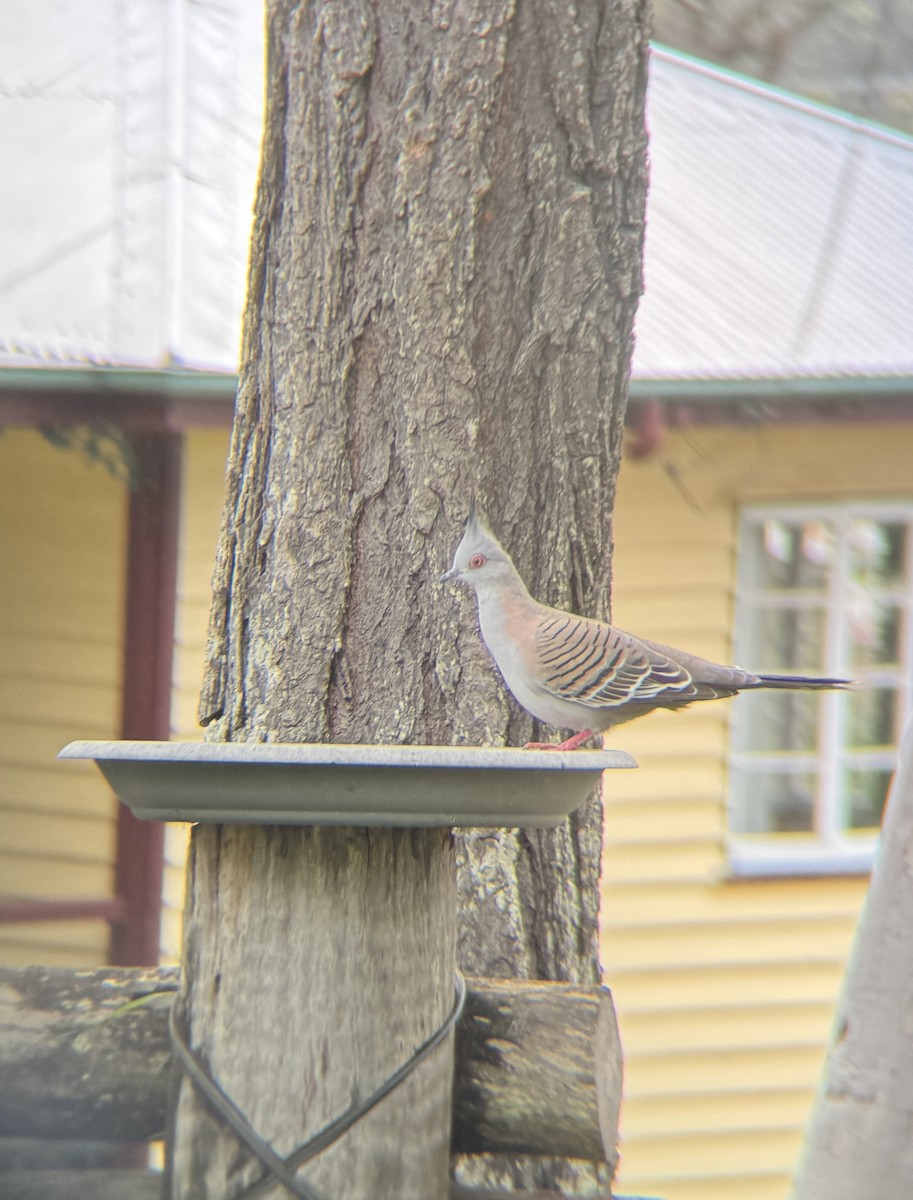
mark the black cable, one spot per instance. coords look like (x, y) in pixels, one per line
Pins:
(282, 1170)
(337, 1127)
(234, 1118)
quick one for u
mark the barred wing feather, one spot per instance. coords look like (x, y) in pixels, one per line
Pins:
(600, 667)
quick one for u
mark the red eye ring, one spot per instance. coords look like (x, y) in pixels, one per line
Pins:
(477, 560)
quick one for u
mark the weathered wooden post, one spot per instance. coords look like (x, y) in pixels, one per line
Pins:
(320, 949)
(316, 960)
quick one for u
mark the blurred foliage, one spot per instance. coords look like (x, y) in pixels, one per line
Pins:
(853, 54)
(105, 444)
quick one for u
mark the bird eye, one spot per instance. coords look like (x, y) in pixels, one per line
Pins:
(477, 560)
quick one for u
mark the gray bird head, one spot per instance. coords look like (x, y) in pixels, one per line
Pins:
(480, 560)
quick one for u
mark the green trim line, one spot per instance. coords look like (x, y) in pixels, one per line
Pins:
(176, 383)
(821, 390)
(816, 109)
(220, 387)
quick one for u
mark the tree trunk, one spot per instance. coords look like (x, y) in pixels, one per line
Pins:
(860, 1135)
(445, 267)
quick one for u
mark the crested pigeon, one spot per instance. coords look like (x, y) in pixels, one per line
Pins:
(577, 673)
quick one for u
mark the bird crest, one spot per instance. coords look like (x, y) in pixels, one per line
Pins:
(478, 534)
(476, 521)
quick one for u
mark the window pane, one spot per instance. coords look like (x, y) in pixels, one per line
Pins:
(785, 639)
(788, 554)
(823, 592)
(871, 717)
(778, 722)
(864, 794)
(875, 633)
(878, 552)
(773, 802)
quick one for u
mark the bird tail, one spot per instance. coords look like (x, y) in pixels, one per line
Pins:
(802, 682)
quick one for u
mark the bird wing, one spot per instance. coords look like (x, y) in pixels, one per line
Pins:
(591, 663)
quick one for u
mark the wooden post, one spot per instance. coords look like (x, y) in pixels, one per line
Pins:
(316, 960)
(152, 553)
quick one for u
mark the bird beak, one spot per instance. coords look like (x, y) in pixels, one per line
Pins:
(453, 573)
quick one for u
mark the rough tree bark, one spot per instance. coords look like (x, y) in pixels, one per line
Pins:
(860, 1134)
(445, 267)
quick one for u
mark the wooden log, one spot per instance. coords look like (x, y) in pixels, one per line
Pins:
(147, 1185)
(62, 1154)
(80, 1185)
(540, 1070)
(459, 1192)
(86, 1054)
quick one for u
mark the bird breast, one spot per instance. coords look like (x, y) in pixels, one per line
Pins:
(508, 624)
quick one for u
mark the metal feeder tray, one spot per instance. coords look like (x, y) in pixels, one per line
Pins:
(272, 783)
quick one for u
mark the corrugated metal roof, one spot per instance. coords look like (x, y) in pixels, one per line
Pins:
(130, 136)
(779, 235)
(779, 238)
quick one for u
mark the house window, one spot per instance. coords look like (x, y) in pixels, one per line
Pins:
(821, 591)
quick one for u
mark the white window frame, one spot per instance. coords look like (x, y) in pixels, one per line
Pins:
(834, 850)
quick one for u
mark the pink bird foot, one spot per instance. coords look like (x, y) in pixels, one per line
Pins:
(572, 743)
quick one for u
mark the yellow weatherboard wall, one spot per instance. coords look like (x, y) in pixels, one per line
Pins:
(724, 988)
(62, 541)
(61, 618)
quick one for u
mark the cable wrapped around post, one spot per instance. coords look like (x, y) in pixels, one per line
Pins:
(282, 1170)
